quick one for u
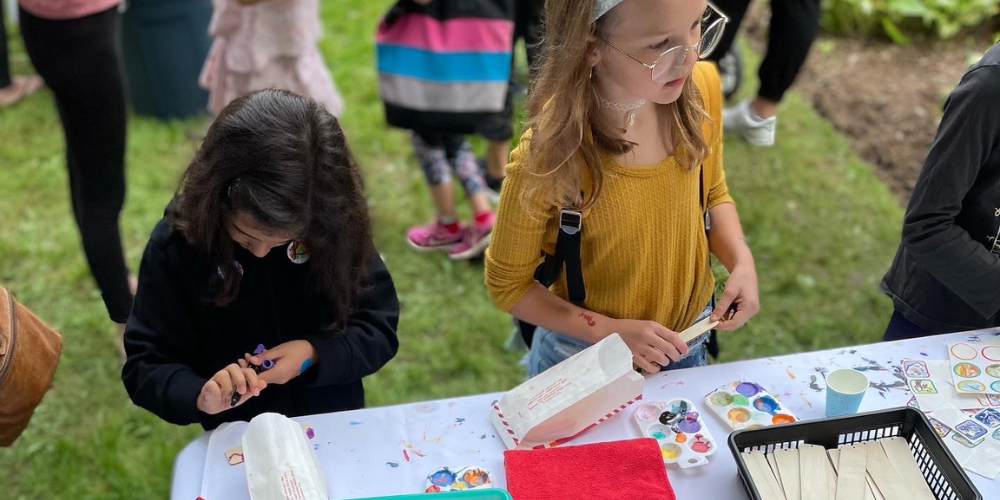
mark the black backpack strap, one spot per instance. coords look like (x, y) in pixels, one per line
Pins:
(712, 345)
(567, 255)
(703, 199)
(568, 248)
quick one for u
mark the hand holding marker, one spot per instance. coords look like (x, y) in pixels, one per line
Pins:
(266, 364)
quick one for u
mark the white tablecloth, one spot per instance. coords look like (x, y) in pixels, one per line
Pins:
(391, 450)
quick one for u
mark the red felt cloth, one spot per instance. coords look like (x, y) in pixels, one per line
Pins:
(614, 471)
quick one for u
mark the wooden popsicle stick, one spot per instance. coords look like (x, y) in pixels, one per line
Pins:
(873, 491)
(774, 467)
(851, 484)
(697, 329)
(788, 467)
(762, 476)
(888, 482)
(831, 479)
(834, 456)
(902, 460)
(813, 465)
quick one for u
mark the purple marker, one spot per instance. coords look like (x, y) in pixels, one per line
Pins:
(259, 349)
(267, 364)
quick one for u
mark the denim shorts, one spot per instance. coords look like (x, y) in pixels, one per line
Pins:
(549, 348)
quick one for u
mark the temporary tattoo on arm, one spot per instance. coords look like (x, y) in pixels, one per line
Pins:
(589, 318)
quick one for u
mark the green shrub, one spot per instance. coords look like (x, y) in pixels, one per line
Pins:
(900, 19)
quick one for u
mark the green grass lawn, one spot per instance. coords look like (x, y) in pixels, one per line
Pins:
(822, 227)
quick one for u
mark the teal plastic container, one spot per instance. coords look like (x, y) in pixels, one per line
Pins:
(490, 494)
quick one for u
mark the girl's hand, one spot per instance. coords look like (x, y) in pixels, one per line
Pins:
(741, 293)
(652, 345)
(290, 360)
(216, 395)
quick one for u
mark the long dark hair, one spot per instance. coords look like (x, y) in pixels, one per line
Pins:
(282, 159)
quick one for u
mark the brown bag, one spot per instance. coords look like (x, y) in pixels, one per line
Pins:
(29, 353)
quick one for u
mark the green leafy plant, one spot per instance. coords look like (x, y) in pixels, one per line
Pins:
(899, 20)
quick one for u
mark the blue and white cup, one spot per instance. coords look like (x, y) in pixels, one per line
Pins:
(845, 388)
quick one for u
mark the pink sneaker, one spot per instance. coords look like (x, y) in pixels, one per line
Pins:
(434, 236)
(477, 238)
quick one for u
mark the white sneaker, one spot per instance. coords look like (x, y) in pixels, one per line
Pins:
(740, 119)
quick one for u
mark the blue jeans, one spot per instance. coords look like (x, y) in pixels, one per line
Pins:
(550, 348)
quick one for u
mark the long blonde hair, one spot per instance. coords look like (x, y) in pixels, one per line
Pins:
(564, 104)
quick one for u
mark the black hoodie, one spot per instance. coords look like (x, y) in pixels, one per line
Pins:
(176, 339)
(946, 274)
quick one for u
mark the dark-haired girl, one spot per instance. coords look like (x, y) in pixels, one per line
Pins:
(267, 242)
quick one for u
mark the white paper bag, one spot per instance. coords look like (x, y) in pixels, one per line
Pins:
(569, 398)
(279, 462)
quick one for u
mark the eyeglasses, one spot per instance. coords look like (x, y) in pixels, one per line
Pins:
(713, 23)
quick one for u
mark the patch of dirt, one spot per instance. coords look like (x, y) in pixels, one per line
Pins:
(886, 98)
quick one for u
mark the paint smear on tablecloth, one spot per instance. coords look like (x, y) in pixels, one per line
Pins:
(813, 385)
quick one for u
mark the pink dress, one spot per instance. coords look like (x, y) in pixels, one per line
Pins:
(271, 44)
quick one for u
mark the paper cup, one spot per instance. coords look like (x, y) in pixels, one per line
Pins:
(845, 388)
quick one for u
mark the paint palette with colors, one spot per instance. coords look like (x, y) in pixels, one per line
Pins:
(679, 429)
(746, 405)
(458, 479)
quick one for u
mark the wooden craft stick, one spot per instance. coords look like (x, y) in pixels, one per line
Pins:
(697, 329)
(834, 456)
(888, 482)
(831, 479)
(851, 484)
(788, 468)
(762, 476)
(902, 460)
(774, 467)
(813, 465)
(873, 492)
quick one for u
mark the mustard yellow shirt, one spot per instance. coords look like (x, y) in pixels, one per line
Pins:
(644, 251)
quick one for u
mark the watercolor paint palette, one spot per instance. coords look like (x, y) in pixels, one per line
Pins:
(458, 479)
(975, 367)
(679, 429)
(746, 405)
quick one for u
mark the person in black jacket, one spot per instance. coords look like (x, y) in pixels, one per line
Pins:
(268, 241)
(946, 274)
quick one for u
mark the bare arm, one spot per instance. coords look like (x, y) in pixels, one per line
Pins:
(652, 344)
(727, 243)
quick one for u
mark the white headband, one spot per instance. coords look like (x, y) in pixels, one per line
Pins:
(602, 7)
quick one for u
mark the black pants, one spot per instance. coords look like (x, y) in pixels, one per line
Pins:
(900, 328)
(794, 26)
(79, 60)
(4, 60)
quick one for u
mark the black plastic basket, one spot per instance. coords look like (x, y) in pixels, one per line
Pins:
(944, 476)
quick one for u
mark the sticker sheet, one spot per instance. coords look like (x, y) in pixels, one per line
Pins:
(975, 366)
(931, 385)
(974, 440)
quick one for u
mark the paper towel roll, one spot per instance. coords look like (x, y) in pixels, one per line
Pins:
(280, 464)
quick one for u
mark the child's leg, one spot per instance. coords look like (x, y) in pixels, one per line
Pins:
(498, 129)
(431, 153)
(497, 154)
(463, 161)
(467, 169)
(445, 231)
